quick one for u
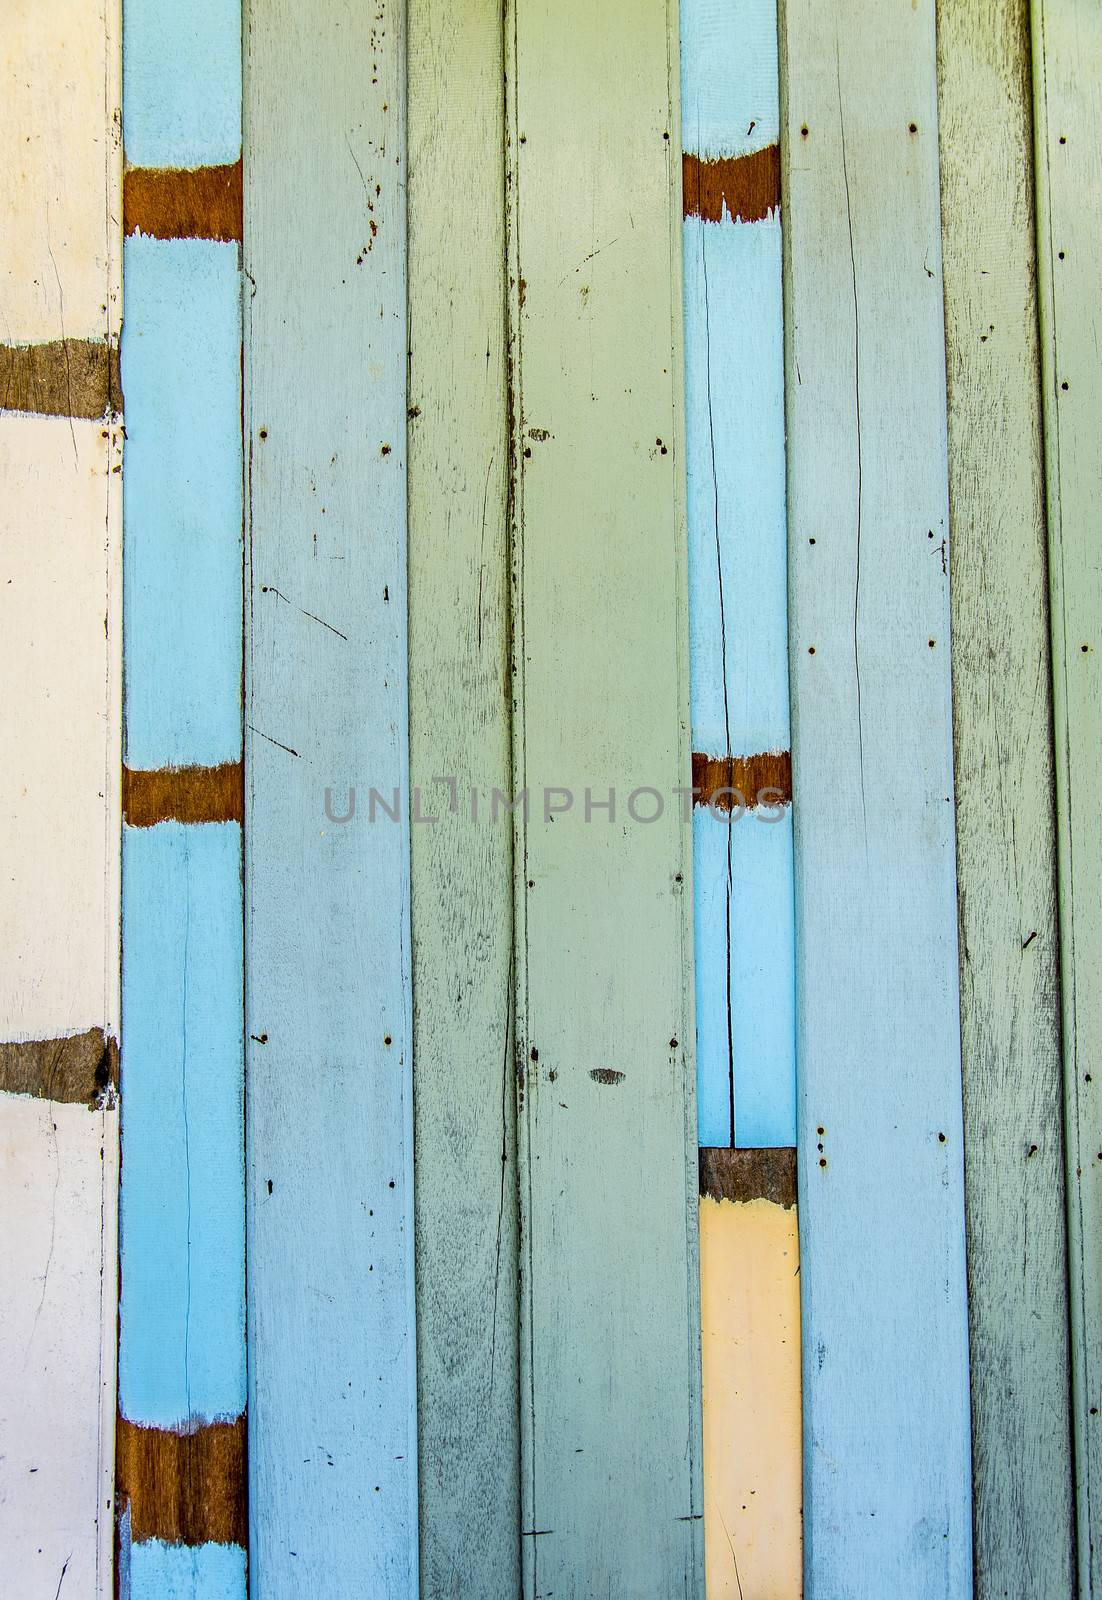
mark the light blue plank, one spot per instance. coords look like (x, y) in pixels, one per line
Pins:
(738, 559)
(757, 1034)
(181, 366)
(729, 82)
(182, 1308)
(332, 1400)
(181, 100)
(887, 1426)
(160, 1571)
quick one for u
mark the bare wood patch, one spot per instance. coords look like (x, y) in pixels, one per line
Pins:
(184, 794)
(185, 1488)
(748, 188)
(82, 1069)
(183, 202)
(764, 779)
(61, 378)
(768, 1174)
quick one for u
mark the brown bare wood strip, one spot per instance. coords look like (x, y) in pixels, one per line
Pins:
(749, 1174)
(61, 378)
(183, 794)
(747, 187)
(183, 202)
(184, 1488)
(764, 779)
(82, 1069)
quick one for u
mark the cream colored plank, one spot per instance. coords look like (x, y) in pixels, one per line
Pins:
(60, 137)
(750, 1338)
(56, 1174)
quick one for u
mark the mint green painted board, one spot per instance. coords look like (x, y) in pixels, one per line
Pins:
(887, 1472)
(610, 1422)
(1006, 843)
(462, 909)
(1067, 76)
(332, 1416)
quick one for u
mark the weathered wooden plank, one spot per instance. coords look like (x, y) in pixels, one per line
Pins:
(609, 1335)
(887, 1471)
(60, 717)
(750, 1336)
(332, 1411)
(461, 866)
(1067, 77)
(738, 608)
(1006, 849)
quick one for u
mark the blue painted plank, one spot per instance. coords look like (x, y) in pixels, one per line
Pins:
(738, 600)
(887, 1459)
(160, 1571)
(181, 367)
(182, 82)
(332, 1402)
(182, 1310)
(757, 1035)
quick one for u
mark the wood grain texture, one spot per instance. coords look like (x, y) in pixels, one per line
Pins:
(734, 358)
(79, 1069)
(887, 1470)
(183, 1488)
(745, 1175)
(332, 1413)
(465, 1125)
(1023, 1502)
(605, 1066)
(750, 1336)
(183, 794)
(60, 717)
(1067, 77)
(183, 202)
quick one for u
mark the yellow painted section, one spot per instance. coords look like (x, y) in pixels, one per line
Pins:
(750, 1326)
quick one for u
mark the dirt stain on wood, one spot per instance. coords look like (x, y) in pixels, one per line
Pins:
(183, 203)
(184, 794)
(186, 1488)
(768, 1174)
(81, 1069)
(748, 188)
(62, 378)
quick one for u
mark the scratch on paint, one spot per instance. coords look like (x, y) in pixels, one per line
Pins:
(860, 455)
(267, 588)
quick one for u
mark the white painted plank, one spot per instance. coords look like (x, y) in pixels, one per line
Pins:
(887, 1464)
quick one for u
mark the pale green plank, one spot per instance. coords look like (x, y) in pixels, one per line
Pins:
(1067, 70)
(1006, 848)
(609, 1306)
(465, 1125)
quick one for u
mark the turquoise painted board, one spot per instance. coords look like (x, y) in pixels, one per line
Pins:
(182, 82)
(887, 1500)
(182, 1225)
(738, 602)
(179, 1572)
(181, 364)
(332, 1412)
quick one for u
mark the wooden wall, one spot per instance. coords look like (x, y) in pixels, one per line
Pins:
(549, 429)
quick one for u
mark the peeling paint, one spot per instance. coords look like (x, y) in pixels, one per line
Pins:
(767, 774)
(183, 203)
(746, 188)
(184, 794)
